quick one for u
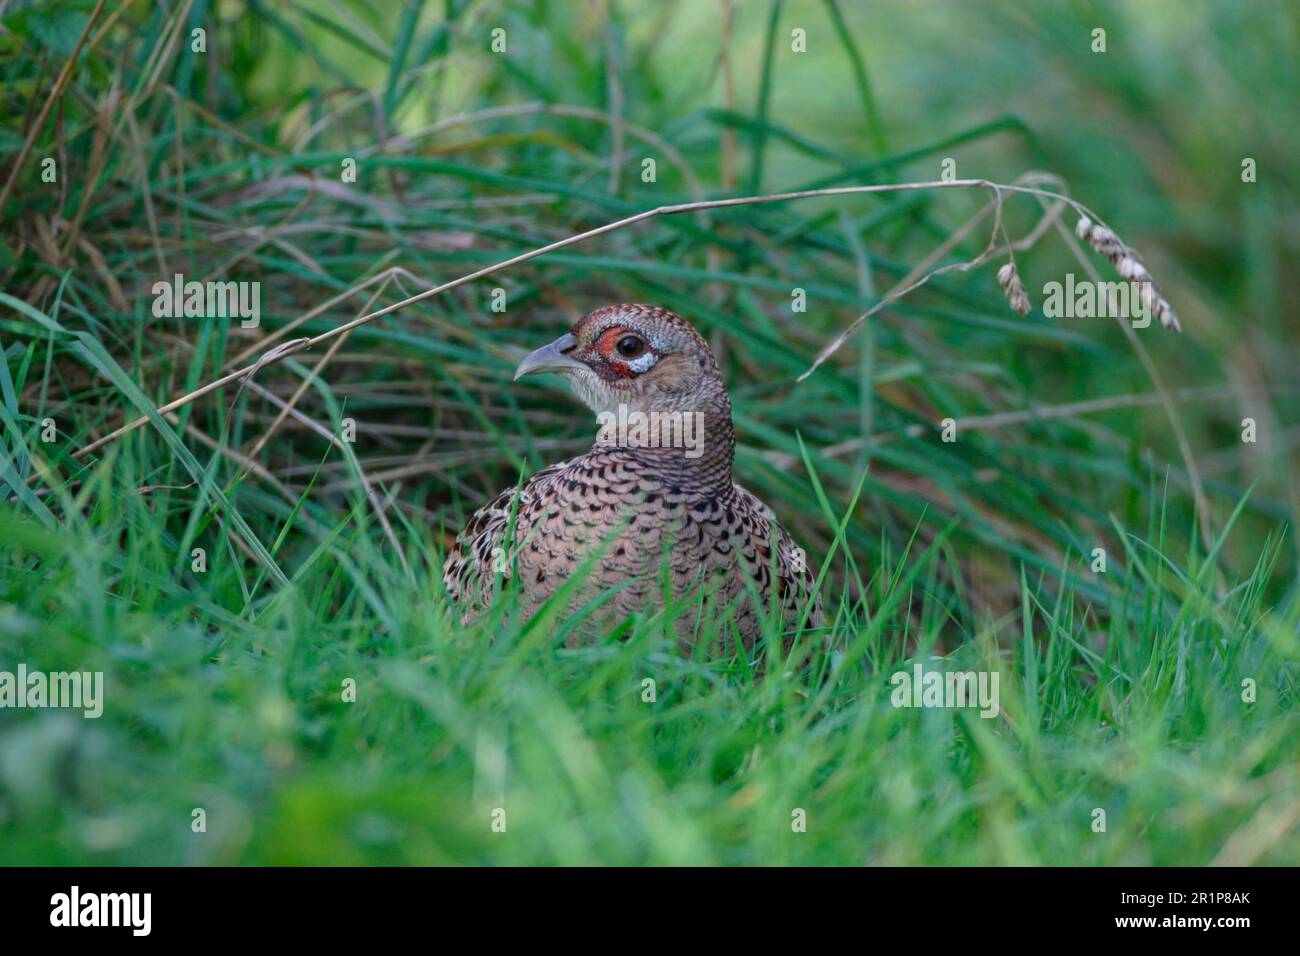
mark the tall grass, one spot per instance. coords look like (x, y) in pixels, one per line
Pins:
(1122, 691)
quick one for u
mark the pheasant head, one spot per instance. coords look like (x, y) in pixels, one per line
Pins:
(642, 357)
(639, 361)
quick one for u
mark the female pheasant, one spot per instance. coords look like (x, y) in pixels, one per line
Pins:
(652, 507)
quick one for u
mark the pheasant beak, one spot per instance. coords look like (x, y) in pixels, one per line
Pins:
(550, 358)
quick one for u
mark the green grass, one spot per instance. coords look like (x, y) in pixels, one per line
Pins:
(1121, 691)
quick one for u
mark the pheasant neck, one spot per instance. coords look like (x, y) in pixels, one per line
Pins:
(691, 450)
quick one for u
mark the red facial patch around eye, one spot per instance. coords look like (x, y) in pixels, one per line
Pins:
(608, 339)
(617, 365)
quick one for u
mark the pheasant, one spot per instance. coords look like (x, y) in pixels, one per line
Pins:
(653, 497)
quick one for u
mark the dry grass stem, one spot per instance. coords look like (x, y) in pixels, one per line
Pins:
(294, 346)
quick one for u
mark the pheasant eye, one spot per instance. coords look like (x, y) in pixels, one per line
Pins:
(629, 346)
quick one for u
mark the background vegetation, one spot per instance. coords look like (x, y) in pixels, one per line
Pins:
(1121, 691)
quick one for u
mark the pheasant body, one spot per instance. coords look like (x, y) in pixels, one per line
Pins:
(635, 522)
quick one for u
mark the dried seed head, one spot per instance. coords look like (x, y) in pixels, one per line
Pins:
(1014, 289)
(1130, 267)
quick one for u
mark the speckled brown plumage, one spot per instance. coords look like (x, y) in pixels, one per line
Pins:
(645, 517)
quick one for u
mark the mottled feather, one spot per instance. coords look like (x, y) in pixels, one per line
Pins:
(644, 517)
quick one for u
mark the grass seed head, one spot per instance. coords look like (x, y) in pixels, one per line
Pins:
(1130, 267)
(1009, 279)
